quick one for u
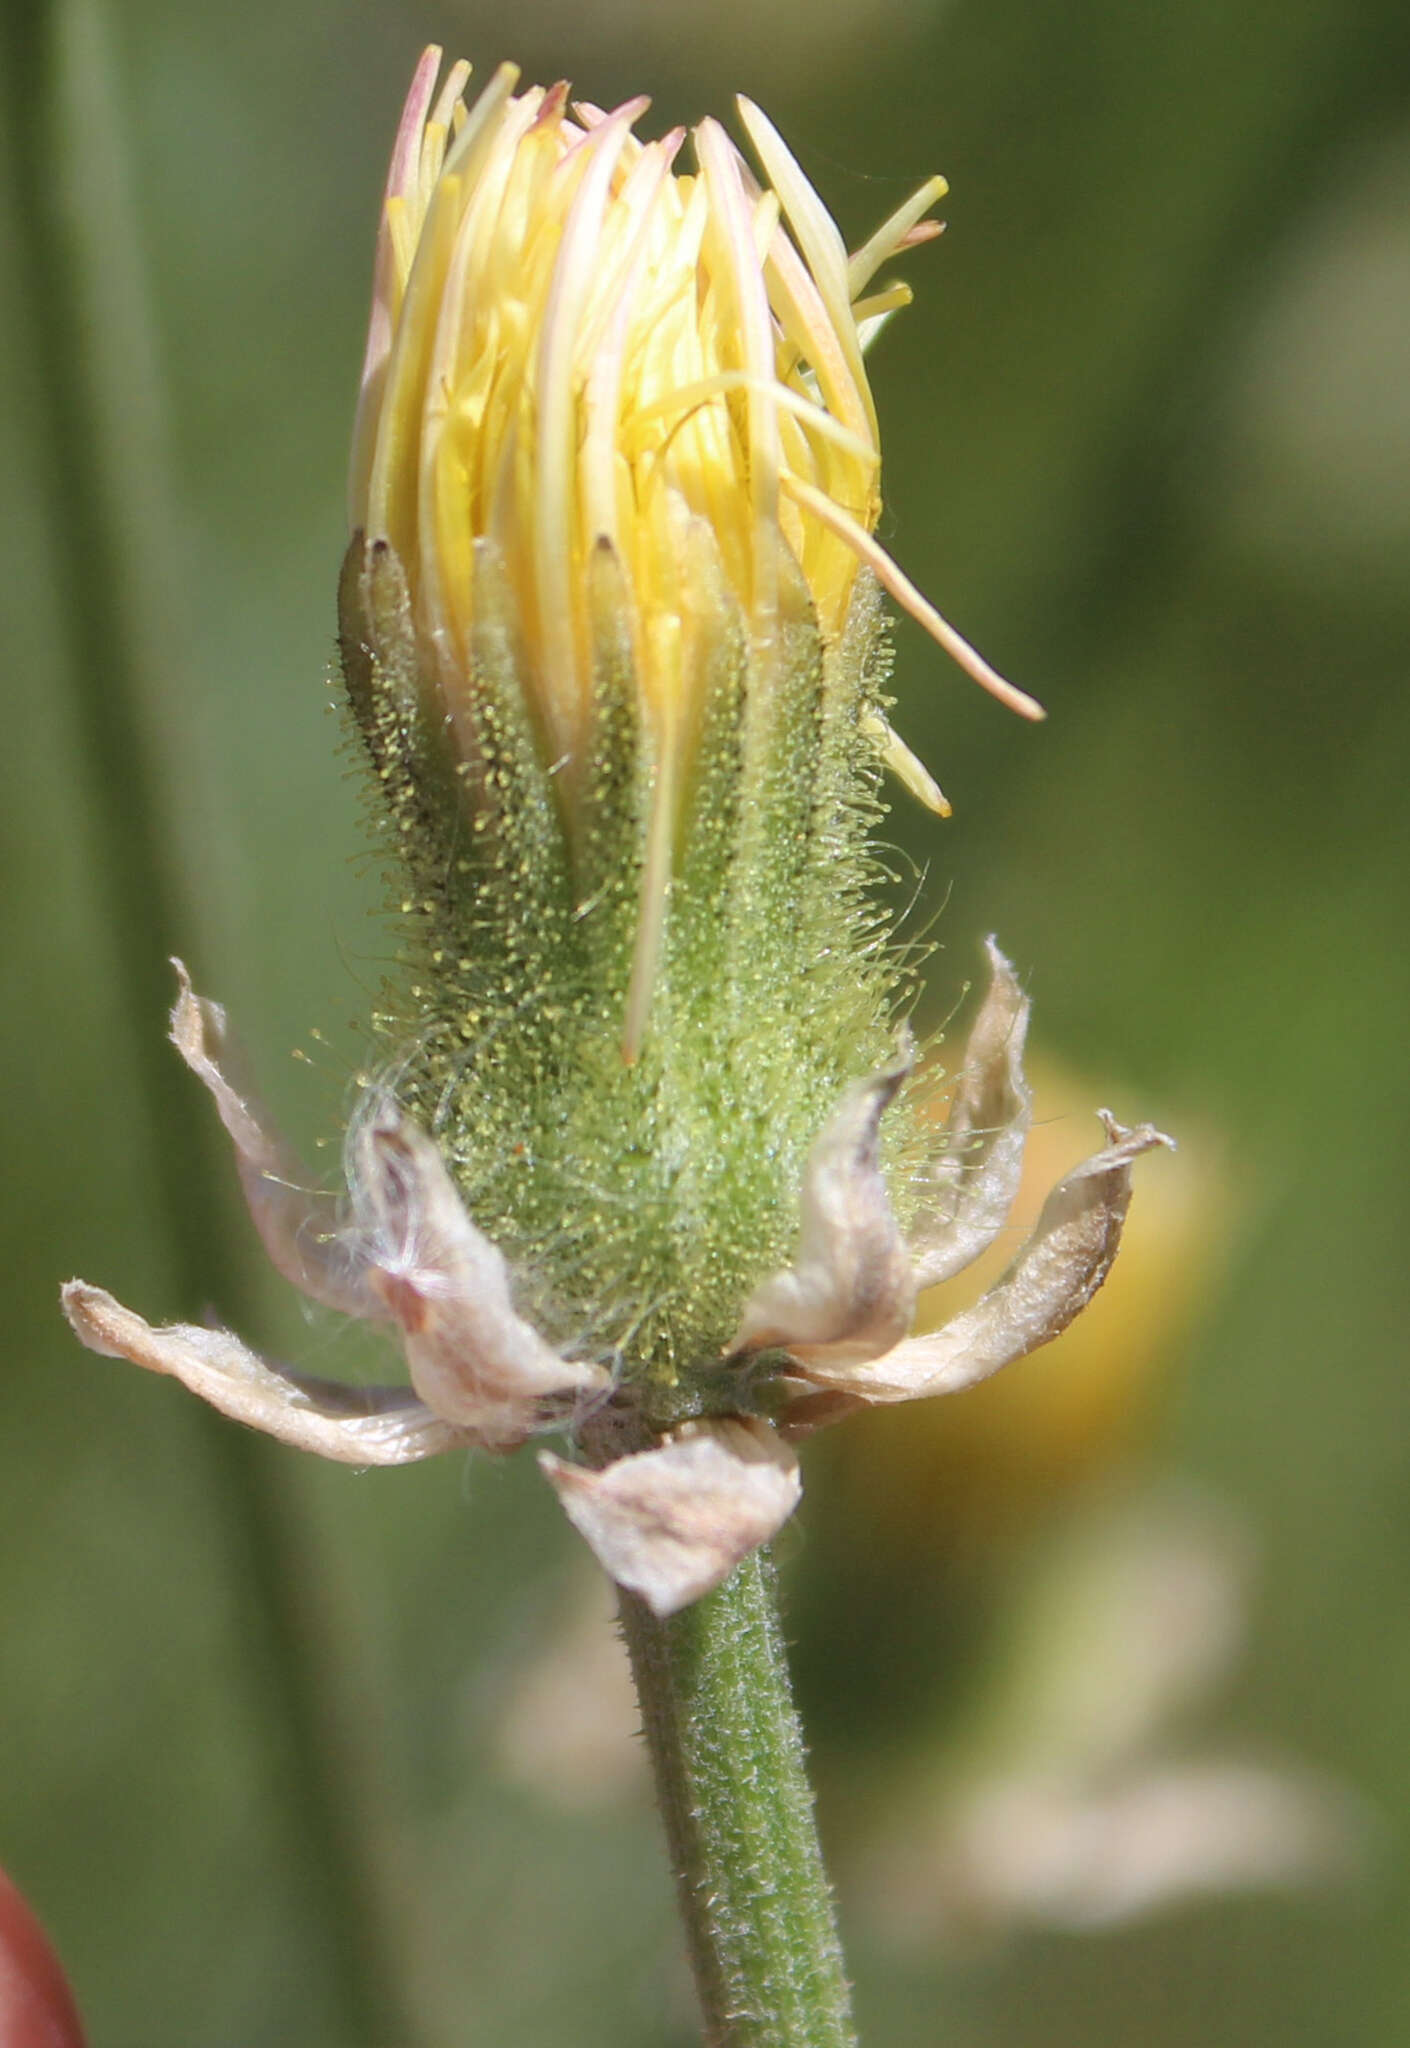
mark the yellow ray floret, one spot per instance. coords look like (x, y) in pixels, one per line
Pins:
(572, 339)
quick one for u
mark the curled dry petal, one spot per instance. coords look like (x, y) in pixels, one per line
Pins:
(354, 1425)
(408, 1254)
(979, 1167)
(1055, 1275)
(299, 1225)
(670, 1523)
(849, 1295)
(472, 1359)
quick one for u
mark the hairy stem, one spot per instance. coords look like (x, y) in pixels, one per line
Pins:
(729, 1762)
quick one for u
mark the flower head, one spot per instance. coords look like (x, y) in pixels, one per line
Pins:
(615, 408)
(646, 1162)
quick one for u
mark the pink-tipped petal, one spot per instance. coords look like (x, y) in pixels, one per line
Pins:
(406, 150)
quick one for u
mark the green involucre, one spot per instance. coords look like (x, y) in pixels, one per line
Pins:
(638, 1203)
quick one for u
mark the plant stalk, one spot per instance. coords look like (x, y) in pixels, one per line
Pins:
(728, 1756)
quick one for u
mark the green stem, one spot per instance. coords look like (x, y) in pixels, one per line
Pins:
(728, 1756)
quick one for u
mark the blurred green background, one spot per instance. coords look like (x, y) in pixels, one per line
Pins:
(290, 1754)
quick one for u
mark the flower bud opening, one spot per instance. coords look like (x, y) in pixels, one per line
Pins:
(612, 632)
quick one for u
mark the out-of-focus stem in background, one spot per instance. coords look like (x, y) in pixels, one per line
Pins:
(111, 523)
